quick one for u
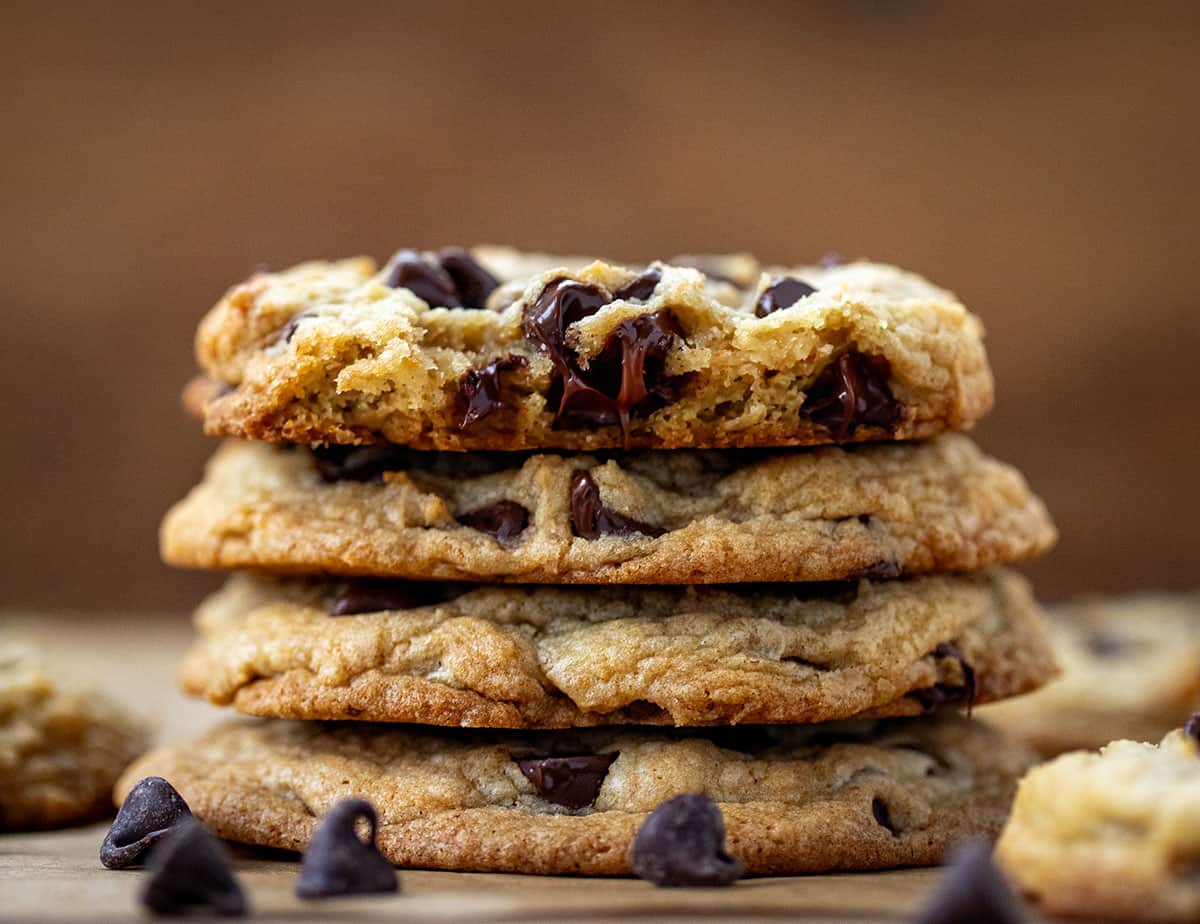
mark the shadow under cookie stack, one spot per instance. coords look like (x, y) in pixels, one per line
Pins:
(528, 546)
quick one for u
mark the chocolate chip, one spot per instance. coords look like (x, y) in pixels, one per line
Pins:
(505, 520)
(880, 810)
(479, 389)
(1191, 728)
(641, 286)
(880, 571)
(289, 329)
(152, 807)
(783, 292)
(682, 843)
(407, 269)
(560, 304)
(191, 872)
(941, 694)
(473, 282)
(831, 259)
(852, 391)
(381, 595)
(972, 889)
(338, 863)
(590, 519)
(572, 782)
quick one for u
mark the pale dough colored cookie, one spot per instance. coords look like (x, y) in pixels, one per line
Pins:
(1112, 835)
(517, 657)
(1131, 669)
(795, 799)
(783, 515)
(328, 352)
(60, 750)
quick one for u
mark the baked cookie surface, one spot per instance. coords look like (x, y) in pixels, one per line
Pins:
(1131, 669)
(794, 799)
(60, 750)
(683, 517)
(1111, 835)
(493, 349)
(517, 657)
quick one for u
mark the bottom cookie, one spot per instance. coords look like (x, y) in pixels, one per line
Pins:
(796, 799)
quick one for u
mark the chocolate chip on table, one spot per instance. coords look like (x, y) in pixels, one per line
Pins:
(378, 595)
(191, 873)
(590, 519)
(879, 809)
(505, 520)
(852, 391)
(972, 889)
(941, 694)
(150, 810)
(783, 292)
(682, 843)
(1191, 728)
(641, 286)
(473, 282)
(407, 269)
(479, 389)
(337, 862)
(572, 782)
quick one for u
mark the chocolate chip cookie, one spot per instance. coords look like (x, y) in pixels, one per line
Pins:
(682, 517)
(529, 657)
(795, 799)
(491, 349)
(1112, 835)
(60, 750)
(1131, 669)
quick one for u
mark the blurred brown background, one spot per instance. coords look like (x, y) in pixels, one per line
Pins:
(1040, 159)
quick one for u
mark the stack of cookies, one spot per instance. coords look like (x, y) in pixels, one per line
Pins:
(528, 546)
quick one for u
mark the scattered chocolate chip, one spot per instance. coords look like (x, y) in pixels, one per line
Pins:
(852, 391)
(880, 571)
(473, 282)
(152, 807)
(941, 694)
(831, 259)
(479, 389)
(682, 843)
(972, 889)
(289, 329)
(191, 872)
(338, 863)
(879, 809)
(710, 265)
(407, 269)
(590, 519)
(379, 595)
(572, 782)
(505, 520)
(783, 292)
(641, 286)
(1191, 728)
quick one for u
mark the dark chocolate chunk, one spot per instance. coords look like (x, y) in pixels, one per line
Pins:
(191, 873)
(852, 391)
(338, 863)
(150, 810)
(381, 594)
(879, 809)
(972, 889)
(289, 329)
(783, 292)
(1191, 728)
(479, 389)
(505, 520)
(941, 694)
(407, 269)
(573, 782)
(830, 259)
(590, 519)
(880, 571)
(473, 282)
(641, 286)
(561, 303)
(682, 843)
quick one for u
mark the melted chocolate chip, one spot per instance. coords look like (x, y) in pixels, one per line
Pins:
(479, 389)
(338, 863)
(852, 391)
(941, 694)
(783, 292)
(879, 809)
(972, 889)
(505, 520)
(429, 282)
(572, 782)
(380, 595)
(561, 303)
(1191, 728)
(590, 519)
(880, 571)
(641, 286)
(191, 872)
(682, 843)
(289, 329)
(473, 282)
(150, 810)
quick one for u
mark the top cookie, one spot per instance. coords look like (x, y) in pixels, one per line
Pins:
(493, 349)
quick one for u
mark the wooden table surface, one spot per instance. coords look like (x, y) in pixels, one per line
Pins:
(56, 876)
